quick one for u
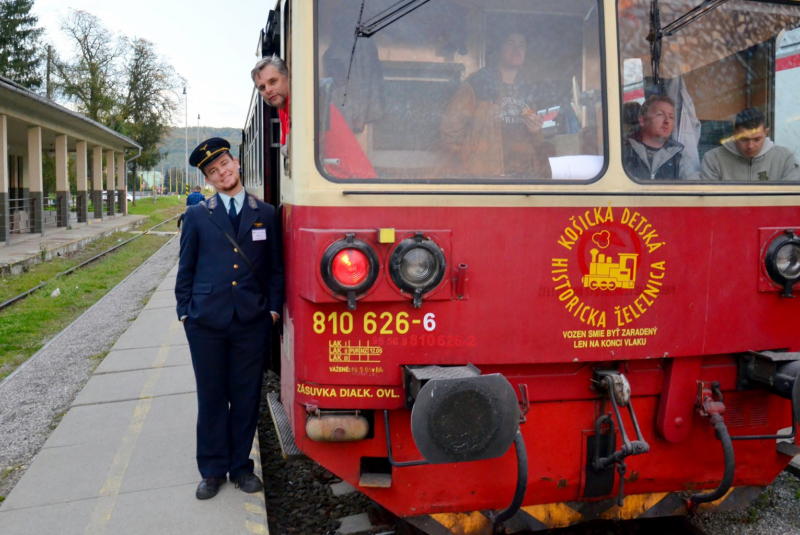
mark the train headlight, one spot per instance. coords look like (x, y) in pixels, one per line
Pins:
(417, 266)
(782, 261)
(787, 261)
(350, 268)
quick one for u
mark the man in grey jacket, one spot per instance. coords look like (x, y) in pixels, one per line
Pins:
(649, 152)
(750, 154)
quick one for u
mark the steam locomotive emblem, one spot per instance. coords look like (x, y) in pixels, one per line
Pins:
(605, 274)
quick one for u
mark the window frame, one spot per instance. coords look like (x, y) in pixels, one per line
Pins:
(770, 115)
(469, 181)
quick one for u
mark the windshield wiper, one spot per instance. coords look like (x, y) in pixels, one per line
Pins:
(386, 17)
(657, 33)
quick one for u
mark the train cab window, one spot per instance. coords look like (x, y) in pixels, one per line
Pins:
(466, 91)
(714, 96)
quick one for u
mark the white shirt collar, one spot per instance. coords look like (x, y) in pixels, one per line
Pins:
(226, 200)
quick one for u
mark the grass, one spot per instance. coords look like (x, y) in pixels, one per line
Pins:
(28, 325)
(13, 285)
(161, 209)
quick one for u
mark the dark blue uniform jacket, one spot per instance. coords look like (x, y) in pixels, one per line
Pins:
(213, 280)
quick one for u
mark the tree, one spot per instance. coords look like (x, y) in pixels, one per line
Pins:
(121, 83)
(90, 78)
(20, 59)
(150, 101)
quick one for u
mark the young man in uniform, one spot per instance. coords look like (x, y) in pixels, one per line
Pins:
(230, 290)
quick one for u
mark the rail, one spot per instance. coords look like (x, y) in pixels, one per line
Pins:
(26, 293)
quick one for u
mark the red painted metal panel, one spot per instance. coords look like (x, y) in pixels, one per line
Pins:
(678, 397)
(553, 293)
(554, 438)
(694, 290)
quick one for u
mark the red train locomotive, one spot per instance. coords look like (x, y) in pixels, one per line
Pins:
(501, 320)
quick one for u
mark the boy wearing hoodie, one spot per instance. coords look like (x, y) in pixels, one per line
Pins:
(750, 154)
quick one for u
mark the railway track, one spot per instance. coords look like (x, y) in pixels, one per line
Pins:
(98, 256)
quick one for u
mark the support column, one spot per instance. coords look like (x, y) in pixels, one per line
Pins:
(62, 182)
(5, 181)
(35, 183)
(122, 182)
(82, 167)
(110, 181)
(97, 181)
(25, 185)
(14, 180)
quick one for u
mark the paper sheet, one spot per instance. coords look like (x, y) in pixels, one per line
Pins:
(577, 167)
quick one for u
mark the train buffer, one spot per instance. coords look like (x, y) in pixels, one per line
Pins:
(122, 460)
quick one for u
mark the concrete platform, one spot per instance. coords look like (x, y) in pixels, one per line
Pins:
(122, 460)
(27, 249)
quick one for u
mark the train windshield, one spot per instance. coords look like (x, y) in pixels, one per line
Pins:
(714, 96)
(465, 91)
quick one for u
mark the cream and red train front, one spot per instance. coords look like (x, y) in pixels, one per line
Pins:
(599, 319)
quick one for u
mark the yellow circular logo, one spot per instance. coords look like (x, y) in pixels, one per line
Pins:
(612, 269)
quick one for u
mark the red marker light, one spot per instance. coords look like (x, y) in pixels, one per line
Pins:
(350, 267)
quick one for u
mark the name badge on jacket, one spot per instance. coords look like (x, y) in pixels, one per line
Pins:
(259, 234)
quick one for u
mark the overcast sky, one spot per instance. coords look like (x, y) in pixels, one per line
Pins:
(211, 44)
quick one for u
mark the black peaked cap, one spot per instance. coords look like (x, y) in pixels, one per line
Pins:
(208, 151)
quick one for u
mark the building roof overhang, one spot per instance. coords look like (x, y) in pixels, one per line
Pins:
(26, 109)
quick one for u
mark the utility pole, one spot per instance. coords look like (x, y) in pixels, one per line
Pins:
(197, 173)
(49, 87)
(186, 130)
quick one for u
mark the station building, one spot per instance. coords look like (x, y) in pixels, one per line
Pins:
(32, 126)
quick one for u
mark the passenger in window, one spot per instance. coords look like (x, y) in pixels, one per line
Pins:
(750, 154)
(492, 122)
(648, 152)
(271, 77)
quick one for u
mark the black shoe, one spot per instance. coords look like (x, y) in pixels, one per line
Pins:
(249, 483)
(209, 487)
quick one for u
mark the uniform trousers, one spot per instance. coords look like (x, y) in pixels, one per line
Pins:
(228, 367)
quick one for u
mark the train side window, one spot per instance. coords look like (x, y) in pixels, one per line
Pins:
(715, 99)
(463, 91)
